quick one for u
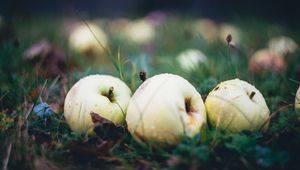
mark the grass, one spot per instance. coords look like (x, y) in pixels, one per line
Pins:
(37, 142)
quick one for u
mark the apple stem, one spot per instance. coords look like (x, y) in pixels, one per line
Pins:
(252, 95)
(188, 105)
(143, 75)
(110, 93)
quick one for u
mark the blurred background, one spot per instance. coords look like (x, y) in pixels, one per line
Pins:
(285, 12)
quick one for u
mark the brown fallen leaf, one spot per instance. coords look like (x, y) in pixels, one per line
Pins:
(105, 128)
(173, 161)
(97, 119)
(56, 107)
(37, 92)
(108, 134)
(92, 147)
(40, 48)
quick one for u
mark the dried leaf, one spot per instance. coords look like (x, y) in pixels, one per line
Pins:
(97, 119)
(40, 48)
(51, 61)
(37, 92)
(42, 164)
(106, 129)
(91, 147)
(173, 161)
(56, 107)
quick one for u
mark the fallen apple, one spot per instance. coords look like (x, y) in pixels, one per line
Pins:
(283, 45)
(207, 29)
(265, 60)
(190, 59)
(88, 39)
(117, 25)
(297, 102)
(235, 105)
(105, 95)
(164, 109)
(139, 32)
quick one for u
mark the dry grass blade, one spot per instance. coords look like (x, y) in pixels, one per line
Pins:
(283, 108)
(7, 156)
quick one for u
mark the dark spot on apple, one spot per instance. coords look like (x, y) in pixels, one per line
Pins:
(216, 88)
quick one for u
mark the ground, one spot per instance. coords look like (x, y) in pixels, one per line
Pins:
(33, 140)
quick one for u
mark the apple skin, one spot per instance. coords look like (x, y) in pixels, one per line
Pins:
(297, 102)
(83, 41)
(190, 59)
(157, 110)
(89, 94)
(139, 31)
(117, 25)
(230, 107)
(207, 28)
(265, 60)
(283, 45)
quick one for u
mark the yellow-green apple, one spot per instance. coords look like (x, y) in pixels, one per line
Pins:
(190, 59)
(139, 31)
(207, 29)
(165, 108)
(236, 105)
(84, 39)
(283, 45)
(117, 25)
(265, 60)
(297, 101)
(105, 95)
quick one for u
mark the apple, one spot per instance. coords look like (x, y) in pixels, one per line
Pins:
(190, 59)
(83, 39)
(165, 108)
(283, 45)
(236, 105)
(265, 60)
(117, 25)
(207, 29)
(297, 101)
(226, 29)
(139, 31)
(105, 95)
